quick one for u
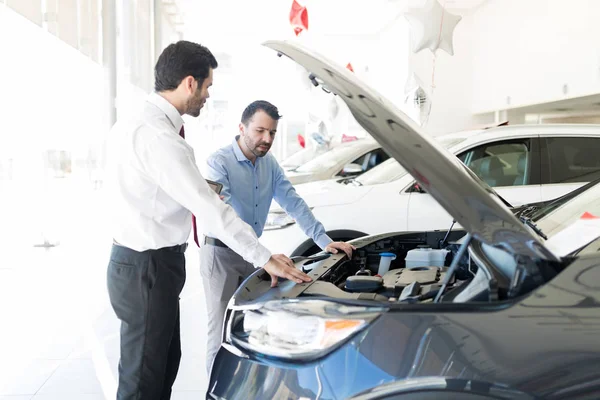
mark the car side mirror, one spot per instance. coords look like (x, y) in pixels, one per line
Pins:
(415, 188)
(352, 169)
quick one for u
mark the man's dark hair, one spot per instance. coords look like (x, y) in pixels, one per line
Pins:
(255, 107)
(180, 60)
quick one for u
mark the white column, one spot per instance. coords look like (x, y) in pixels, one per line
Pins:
(157, 29)
(109, 58)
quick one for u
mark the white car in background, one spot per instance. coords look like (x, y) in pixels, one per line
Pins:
(343, 160)
(524, 163)
(301, 157)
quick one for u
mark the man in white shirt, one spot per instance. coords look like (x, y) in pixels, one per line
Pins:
(155, 187)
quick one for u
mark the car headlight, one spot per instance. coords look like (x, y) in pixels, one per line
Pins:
(298, 329)
(278, 220)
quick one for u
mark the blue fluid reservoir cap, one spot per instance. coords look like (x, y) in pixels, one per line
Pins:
(387, 254)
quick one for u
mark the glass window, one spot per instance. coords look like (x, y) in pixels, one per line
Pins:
(389, 170)
(573, 159)
(376, 157)
(369, 160)
(500, 163)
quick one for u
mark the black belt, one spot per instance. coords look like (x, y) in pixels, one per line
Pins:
(214, 242)
(178, 248)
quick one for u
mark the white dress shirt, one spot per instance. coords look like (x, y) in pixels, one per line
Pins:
(154, 187)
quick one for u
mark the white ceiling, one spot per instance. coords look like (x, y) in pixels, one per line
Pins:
(209, 19)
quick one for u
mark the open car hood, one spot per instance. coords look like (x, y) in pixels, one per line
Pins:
(438, 171)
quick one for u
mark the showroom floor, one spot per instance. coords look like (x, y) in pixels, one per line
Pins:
(59, 337)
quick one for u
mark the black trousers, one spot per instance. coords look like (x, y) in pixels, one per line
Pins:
(144, 290)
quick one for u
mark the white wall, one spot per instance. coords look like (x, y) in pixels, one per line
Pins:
(510, 54)
(528, 50)
(51, 95)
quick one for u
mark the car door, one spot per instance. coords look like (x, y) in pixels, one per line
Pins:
(569, 162)
(424, 212)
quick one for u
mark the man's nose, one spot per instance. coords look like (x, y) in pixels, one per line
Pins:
(267, 138)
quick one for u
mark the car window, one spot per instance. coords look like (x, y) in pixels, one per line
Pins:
(370, 160)
(390, 170)
(573, 159)
(376, 157)
(362, 160)
(501, 163)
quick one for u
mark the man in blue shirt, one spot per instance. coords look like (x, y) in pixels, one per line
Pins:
(251, 179)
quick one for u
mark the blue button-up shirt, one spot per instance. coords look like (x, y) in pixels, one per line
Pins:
(250, 188)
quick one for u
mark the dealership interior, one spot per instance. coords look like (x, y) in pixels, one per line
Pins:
(448, 148)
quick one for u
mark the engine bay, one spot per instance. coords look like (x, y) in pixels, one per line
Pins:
(406, 279)
(417, 265)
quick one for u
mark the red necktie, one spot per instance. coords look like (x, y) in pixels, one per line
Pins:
(182, 134)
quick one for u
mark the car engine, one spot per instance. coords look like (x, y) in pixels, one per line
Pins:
(410, 277)
(406, 280)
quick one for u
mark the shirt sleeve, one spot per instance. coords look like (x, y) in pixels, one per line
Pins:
(171, 164)
(285, 195)
(217, 172)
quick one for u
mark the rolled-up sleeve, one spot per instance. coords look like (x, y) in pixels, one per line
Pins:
(287, 197)
(173, 167)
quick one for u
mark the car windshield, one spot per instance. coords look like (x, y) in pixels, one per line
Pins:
(330, 158)
(302, 157)
(391, 170)
(387, 171)
(546, 209)
(557, 215)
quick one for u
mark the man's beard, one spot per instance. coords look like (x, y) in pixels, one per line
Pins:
(194, 106)
(254, 148)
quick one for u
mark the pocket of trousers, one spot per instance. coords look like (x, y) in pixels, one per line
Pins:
(123, 281)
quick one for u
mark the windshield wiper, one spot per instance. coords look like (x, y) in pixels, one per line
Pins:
(527, 221)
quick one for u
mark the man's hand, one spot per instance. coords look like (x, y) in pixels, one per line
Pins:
(281, 266)
(334, 247)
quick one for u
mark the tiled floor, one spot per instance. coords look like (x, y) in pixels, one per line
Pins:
(59, 336)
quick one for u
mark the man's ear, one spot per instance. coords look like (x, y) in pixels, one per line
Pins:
(242, 128)
(189, 84)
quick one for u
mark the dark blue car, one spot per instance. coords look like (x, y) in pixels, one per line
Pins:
(502, 314)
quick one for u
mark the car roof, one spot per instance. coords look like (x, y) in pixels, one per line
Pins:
(526, 130)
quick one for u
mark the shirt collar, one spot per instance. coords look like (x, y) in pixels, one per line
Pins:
(238, 151)
(168, 108)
